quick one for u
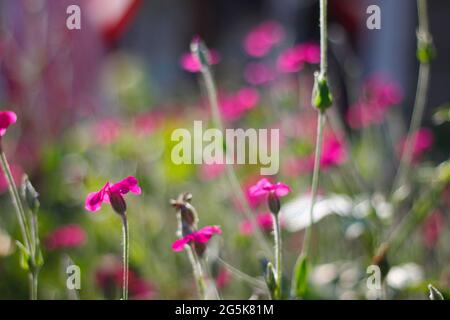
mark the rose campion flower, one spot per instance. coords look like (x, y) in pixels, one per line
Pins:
(190, 63)
(68, 236)
(264, 221)
(293, 59)
(262, 38)
(333, 152)
(233, 106)
(201, 236)
(423, 140)
(265, 187)
(7, 118)
(257, 73)
(113, 194)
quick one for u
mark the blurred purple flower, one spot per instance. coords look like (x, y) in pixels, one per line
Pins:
(7, 118)
(260, 40)
(190, 63)
(293, 59)
(257, 73)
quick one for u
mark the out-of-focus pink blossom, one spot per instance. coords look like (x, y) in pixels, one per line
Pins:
(189, 62)
(107, 131)
(223, 278)
(7, 118)
(17, 173)
(423, 141)
(293, 59)
(264, 221)
(233, 106)
(333, 152)
(68, 236)
(260, 40)
(379, 94)
(95, 200)
(257, 73)
(265, 187)
(146, 123)
(201, 236)
(110, 276)
(211, 171)
(432, 228)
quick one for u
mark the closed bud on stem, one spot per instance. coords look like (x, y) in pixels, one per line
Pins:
(274, 203)
(118, 203)
(322, 98)
(270, 280)
(200, 51)
(30, 195)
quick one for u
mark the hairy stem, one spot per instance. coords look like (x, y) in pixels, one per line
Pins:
(126, 255)
(419, 104)
(234, 182)
(198, 272)
(278, 254)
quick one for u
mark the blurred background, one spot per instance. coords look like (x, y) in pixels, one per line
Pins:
(100, 103)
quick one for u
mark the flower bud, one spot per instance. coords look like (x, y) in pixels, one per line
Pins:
(425, 47)
(30, 195)
(434, 293)
(200, 51)
(117, 202)
(321, 96)
(274, 203)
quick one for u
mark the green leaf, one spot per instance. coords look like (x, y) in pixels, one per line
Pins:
(300, 277)
(24, 256)
(270, 280)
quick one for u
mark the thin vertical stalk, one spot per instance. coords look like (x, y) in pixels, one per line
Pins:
(234, 182)
(423, 82)
(315, 181)
(321, 118)
(278, 254)
(126, 255)
(198, 272)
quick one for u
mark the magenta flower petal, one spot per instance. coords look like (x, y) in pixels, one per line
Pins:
(180, 243)
(94, 200)
(190, 63)
(129, 184)
(260, 188)
(204, 235)
(7, 118)
(281, 189)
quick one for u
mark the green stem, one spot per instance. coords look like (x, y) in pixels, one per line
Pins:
(419, 104)
(234, 182)
(278, 254)
(126, 255)
(315, 182)
(21, 217)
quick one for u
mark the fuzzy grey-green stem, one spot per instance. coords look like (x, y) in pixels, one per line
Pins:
(278, 254)
(419, 104)
(315, 182)
(234, 182)
(126, 255)
(197, 271)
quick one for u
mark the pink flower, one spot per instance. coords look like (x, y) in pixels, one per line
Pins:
(264, 221)
(264, 187)
(257, 73)
(7, 118)
(17, 173)
(432, 228)
(111, 192)
(107, 131)
(232, 106)
(146, 123)
(422, 139)
(68, 236)
(201, 236)
(379, 94)
(211, 171)
(190, 63)
(223, 278)
(333, 152)
(293, 59)
(262, 38)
